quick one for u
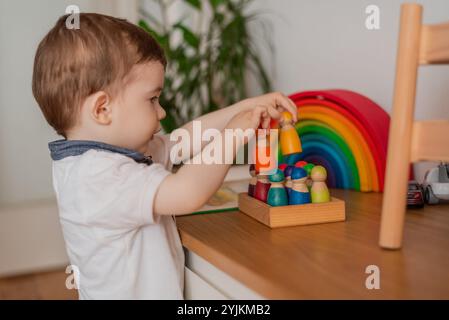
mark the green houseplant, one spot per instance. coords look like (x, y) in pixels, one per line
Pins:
(207, 68)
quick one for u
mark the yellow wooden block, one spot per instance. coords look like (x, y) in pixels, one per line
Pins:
(294, 215)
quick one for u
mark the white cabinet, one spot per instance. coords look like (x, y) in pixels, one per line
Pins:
(205, 281)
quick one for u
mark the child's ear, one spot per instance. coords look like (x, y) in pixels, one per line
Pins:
(101, 108)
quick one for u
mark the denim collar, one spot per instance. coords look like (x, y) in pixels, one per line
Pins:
(61, 149)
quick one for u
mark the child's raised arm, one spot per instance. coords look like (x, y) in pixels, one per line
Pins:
(189, 189)
(274, 103)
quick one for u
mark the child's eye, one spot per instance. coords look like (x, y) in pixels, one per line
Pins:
(154, 99)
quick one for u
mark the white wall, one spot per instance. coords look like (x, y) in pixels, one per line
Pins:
(25, 170)
(324, 44)
(30, 236)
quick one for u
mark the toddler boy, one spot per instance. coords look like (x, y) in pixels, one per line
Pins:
(99, 88)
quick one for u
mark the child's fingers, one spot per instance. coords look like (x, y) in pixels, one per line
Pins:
(288, 105)
(257, 114)
(265, 122)
(295, 108)
(273, 112)
(291, 107)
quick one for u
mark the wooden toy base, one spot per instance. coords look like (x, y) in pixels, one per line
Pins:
(294, 215)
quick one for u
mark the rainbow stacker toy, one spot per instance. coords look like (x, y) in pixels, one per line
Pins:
(347, 134)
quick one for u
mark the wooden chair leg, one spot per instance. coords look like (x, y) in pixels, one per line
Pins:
(400, 135)
(393, 214)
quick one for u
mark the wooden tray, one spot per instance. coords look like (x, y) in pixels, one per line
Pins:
(295, 215)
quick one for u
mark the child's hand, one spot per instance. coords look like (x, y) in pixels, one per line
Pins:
(250, 119)
(275, 103)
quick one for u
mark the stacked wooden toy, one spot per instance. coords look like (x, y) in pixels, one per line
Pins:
(290, 185)
(291, 194)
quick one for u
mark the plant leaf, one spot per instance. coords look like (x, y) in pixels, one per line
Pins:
(194, 3)
(215, 3)
(150, 30)
(189, 37)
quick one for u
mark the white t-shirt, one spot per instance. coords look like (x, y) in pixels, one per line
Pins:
(121, 249)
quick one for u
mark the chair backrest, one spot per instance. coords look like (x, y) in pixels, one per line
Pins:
(409, 140)
(434, 44)
(430, 139)
(419, 44)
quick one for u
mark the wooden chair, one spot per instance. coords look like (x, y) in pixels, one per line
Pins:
(409, 140)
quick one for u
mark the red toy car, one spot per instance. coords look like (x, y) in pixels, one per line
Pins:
(415, 194)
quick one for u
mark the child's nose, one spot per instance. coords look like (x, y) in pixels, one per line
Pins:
(161, 113)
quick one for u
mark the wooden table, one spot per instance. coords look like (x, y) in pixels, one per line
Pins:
(328, 260)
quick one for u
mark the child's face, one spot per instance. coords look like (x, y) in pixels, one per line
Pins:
(139, 112)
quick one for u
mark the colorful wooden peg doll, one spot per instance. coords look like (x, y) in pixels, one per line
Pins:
(300, 164)
(289, 139)
(288, 179)
(299, 194)
(253, 181)
(291, 159)
(262, 187)
(282, 166)
(277, 195)
(308, 167)
(320, 192)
